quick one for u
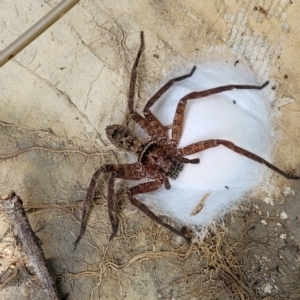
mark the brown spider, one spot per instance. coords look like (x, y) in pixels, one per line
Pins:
(159, 157)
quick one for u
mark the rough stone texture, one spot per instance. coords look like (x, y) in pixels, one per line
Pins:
(58, 95)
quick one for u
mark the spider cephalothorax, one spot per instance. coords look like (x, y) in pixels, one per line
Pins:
(155, 158)
(124, 139)
(159, 158)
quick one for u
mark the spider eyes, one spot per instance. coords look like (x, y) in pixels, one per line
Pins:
(115, 133)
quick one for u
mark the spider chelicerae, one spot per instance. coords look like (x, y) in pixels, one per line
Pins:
(159, 158)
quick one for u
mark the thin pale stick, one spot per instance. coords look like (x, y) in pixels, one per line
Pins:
(38, 28)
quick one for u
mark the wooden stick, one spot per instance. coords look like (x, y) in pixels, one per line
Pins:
(13, 206)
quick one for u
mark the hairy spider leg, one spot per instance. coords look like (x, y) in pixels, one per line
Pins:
(125, 171)
(164, 88)
(155, 128)
(87, 203)
(150, 123)
(133, 75)
(151, 118)
(146, 188)
(185, 160)
(179, 114)
(111, 206)
(203, 145)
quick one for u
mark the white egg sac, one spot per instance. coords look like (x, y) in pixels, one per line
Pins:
(203, 193)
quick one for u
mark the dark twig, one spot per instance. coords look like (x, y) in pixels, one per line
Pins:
(13, 206)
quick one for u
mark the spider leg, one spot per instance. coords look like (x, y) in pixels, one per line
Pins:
(133, 74)
(155, 126)
(159, 130)
(110, 204)
(145, 188)
(179, 114)
(86, 204)
(151, 124)
(167, 183)
(203, 145)
(185, 160)
(163, 89)
(126, 171)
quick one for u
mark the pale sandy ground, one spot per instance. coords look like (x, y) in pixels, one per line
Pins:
(58, 95)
